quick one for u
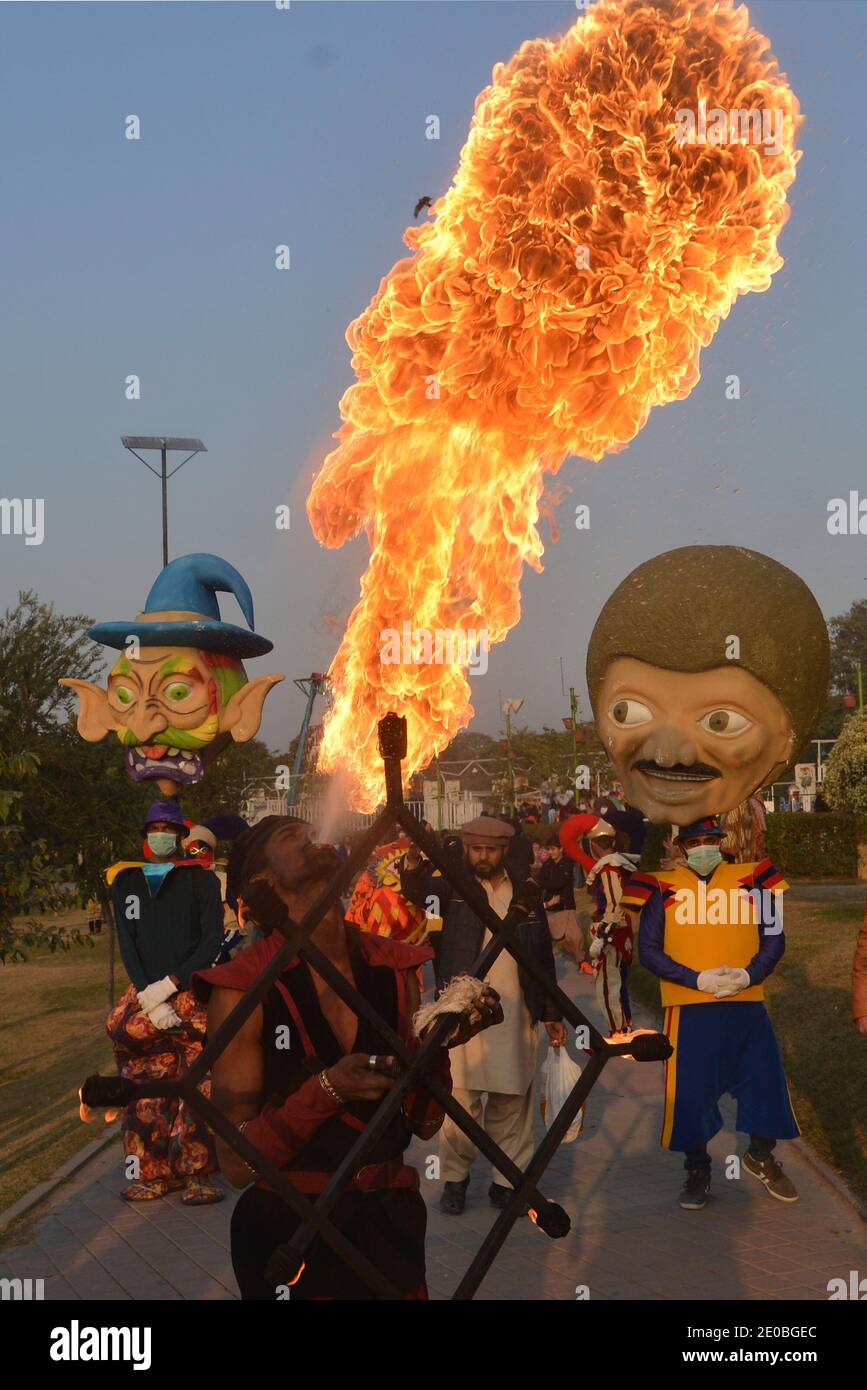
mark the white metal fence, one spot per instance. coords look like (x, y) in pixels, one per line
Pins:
(450, 813)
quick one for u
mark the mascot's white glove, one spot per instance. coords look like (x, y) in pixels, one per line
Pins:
(710, 981)
(734, 981)
(156, 993)
(597, 946)
(164, 1016)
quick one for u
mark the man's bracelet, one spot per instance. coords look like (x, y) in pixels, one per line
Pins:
(329, 1089)
(241, 1127)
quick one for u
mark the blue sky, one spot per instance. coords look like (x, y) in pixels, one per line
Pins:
(306, 126)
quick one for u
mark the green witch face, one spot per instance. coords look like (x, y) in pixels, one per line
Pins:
(174, 704)
(169, 706)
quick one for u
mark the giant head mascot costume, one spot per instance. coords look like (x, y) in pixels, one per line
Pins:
(175, 697)
(178, 693)
(707, 670)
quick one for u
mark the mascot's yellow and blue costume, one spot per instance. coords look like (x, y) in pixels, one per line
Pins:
(707, 669)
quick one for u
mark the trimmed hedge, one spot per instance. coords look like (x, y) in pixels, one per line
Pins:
(805, 844)
(815, 844)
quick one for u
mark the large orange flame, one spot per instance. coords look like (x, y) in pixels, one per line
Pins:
(569, 278)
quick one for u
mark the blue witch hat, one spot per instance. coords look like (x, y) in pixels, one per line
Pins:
(189, 586)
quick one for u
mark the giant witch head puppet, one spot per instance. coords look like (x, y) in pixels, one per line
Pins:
(707, 670)
(178, 694)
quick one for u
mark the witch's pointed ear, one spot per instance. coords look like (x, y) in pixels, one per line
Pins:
(242, 715)
(95, 716)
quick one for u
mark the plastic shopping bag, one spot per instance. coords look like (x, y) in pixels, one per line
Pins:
(559, 1075)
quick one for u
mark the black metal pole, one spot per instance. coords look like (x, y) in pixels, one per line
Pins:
(486, 1252)
(165, 489)
(296, 934)
(332, 976)
(500, 928)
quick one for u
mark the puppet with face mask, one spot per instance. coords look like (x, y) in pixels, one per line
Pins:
(176, 696)
(707, 671)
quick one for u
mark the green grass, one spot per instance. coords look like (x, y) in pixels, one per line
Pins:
(809, 998)
(52, 1035)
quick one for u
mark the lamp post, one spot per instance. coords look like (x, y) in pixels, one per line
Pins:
(573, 705)
(511, 707)
(166, 445)
(439, 793)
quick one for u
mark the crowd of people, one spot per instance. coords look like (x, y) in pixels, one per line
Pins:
(304, 1074)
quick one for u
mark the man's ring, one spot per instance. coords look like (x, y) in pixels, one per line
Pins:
(371, 1062)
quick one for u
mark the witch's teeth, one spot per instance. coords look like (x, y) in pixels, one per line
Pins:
(173, 752)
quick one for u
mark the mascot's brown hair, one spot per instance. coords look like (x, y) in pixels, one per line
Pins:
(707, 670)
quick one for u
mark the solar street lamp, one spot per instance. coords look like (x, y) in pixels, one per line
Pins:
(166, 445)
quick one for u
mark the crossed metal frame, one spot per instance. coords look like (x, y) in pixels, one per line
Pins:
(315, 1217)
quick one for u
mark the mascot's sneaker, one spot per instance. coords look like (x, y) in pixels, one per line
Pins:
(454, 1197)
(694, 1193)
(770, 1172)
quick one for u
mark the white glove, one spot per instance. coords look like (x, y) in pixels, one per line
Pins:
(735, 980)
(597, 946)
(156, 993)
(164, 1016)
(709, 981)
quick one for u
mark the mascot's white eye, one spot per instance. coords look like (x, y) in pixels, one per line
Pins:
(724, 721)
(628, 713)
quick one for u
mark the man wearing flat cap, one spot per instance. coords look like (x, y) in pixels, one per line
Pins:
(494, 1076)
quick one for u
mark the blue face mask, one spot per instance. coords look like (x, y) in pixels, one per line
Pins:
(704, 859)
(162, 843)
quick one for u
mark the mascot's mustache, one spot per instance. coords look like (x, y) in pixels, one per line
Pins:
(694, 770)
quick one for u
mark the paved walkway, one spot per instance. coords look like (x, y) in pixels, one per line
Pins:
(629, 1239)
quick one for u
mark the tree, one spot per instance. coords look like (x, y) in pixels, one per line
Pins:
(550, 753)
(68, 804)
(85, 807)
(229, 775)
(468, 746)
(28, 879)
(37, 647)
(844, 785)
(848, 634)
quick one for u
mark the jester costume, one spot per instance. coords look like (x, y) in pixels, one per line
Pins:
(611, 939)
(378, 904)
(690, 925)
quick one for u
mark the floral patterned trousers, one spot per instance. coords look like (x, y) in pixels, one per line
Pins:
(170, 1142)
